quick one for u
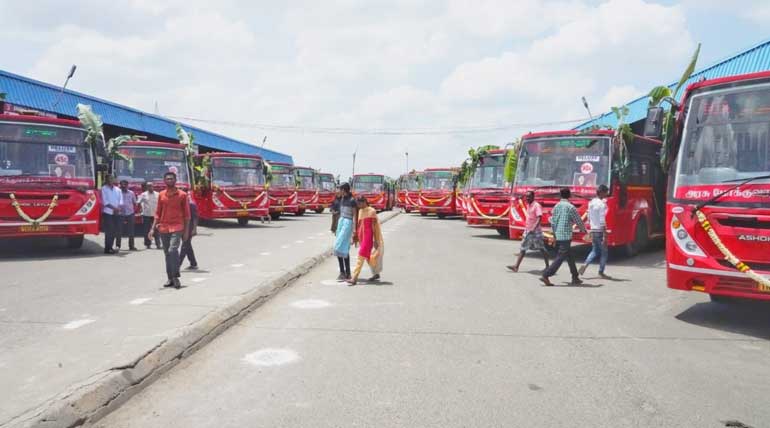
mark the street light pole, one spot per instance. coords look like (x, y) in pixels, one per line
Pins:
(407, 161)
(69, 76)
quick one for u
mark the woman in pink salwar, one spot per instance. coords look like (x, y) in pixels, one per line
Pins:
(371, 247)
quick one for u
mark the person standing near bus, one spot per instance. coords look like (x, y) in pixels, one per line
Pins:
(127, 213)
(344, 233)
(172, 219)
(110, 213)
(533, 234)
(597, 219)
(563, 217)
(148, 203)
(187, 248)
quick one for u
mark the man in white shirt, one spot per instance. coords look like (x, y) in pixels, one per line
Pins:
(111, 199)
(597, 219)
(148, 202)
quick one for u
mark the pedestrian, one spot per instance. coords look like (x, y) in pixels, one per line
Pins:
(171, 220)
(148, 203)
(533, 233)
(110, 213)
(597, 220)
(563, 217)
(344, 232)
(127, 219)
(371, 247)
(187, 248)
(335, 210)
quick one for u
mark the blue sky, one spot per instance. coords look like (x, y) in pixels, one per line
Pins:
(394, 64)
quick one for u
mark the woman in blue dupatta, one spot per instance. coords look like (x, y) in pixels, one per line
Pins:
(348, 213)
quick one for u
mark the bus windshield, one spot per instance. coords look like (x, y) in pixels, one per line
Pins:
(326, 183)
(148, 164)
(237, 172)
(41, 151)
(306, 178)
(726, 140)
(284, 179)
(490, 173)
(412, 183)
(438, 180)
(368, 183)
(578, 161)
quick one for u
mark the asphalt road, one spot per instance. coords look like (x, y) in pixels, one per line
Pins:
(68, 315)
(450, 339)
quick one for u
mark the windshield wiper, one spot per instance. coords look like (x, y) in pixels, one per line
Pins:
(716, 198)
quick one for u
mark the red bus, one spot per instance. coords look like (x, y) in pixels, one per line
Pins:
(236, 187)
(147, 161)
(718, 208)
(581, 161)
(307, 189)
(408, 193)
(327, 190)
(374, 188)
(487, 199)
(47, 179)
(439, 192)
(282, 190)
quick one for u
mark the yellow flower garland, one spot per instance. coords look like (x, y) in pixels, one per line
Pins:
(244, 204)
(34, 222)
(762, 282)
(433, 201)
(282, 201)
(489, 217)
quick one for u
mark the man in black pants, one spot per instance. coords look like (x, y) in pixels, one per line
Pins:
(187, 248)
(111, 199)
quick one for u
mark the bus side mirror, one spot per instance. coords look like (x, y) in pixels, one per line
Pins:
(653, 125)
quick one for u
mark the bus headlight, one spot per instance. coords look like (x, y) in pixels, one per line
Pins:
(684, 241)
(216, 201)
(515, 214)
(89, 205)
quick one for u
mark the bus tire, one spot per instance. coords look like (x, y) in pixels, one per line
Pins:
(243, 221)
(275, 216)
(75, 242)
(424, 214)
(319, 210)
(503, 232)
(407, 210)
(641, 239)
(441, 215)
(300, 213)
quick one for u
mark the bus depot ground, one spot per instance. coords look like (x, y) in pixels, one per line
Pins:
(448, 338)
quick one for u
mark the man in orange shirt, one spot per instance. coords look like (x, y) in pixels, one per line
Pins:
(172, 218)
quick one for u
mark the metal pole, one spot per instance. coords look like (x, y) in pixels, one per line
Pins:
(585, 104)
(407, 162)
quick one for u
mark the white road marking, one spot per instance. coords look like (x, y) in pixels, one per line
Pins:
(265, 253)
(330, 282)
(198, 279)
(284, 246)
(299, 242)
(77, 324)
(320, 234)
(140, 300)
(236, 265)
(310, 237)
(271, 357)
(310, 304)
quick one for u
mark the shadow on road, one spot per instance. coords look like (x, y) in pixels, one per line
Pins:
(747, 318)
(46, 249)
(496, 237)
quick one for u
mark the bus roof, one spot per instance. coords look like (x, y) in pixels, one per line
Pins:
(228, 155)
(569, 133)
(145, 143)
(39, 119)
(368, 173)
(729, 79)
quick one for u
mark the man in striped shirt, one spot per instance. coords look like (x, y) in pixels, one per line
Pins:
(563, 217)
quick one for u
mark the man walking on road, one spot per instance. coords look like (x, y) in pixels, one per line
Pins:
(171, 221)
(148, 202)
(126, 220)
(563, 217)
(187, 248)
(533, 234)
(597, 219)
(111, 198)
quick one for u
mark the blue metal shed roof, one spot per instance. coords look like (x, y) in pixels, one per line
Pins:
(751, 60)
(38, 95)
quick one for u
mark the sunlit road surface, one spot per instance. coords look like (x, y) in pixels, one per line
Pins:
(68, 315)
(451, 339)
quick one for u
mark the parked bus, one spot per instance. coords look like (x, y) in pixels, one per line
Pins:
(549, 161)
(374, 188)
(327, 190)
(718, 209)
(487, 199)
(409, 191)
(282, 190)
(439, 192)
(47, 179)
(235, 189)
(147, 162)
(307, 189)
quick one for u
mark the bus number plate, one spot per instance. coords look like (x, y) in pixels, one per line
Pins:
(34, 228)
(433, 210)
(242, 213)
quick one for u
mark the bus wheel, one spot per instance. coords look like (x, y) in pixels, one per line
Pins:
(75, 242)
(319, 210)
(641, 239)
(300, 213)
(441, 215)
(423, 213)
(407, 210)
(503, 232)
(243, 221)
(275, 216)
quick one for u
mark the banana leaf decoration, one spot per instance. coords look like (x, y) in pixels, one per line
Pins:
(511, 162)
(201, 169)
(657, 94)
(625, 136)
(92, 123)
(468, 167)
(268, 171)
(187, 139)
(113, 148)
(3, 95)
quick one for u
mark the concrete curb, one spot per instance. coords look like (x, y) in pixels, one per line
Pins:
(86, 403)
